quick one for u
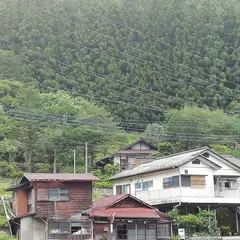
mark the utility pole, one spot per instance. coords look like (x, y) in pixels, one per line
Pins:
(74, 161)
(54, 161)
(86, 157)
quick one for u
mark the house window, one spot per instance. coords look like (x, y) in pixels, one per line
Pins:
(197, 161)
(143, 185)
(164, 231)
(75, 227)
(122, 231)
(58, 194)
(231, 184)
(193, 181)
(123, 189)
(58, 227)
(171, 182)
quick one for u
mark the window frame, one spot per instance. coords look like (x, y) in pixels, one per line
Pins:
(128, 186)
(171, 182)
(147, 184)
(58, 199)
(58, 228)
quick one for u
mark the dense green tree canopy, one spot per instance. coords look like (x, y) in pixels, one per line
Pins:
(137, 58)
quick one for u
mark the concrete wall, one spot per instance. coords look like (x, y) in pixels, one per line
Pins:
(26, 228)
(32, 229)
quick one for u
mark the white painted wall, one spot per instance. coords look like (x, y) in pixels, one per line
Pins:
(140, 146)
(157, 194)
(116, 159)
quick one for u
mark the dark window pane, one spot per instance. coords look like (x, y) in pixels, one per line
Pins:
(118, 189)
(186, 181)
(197, 161)
(53, 194)
(64, 194)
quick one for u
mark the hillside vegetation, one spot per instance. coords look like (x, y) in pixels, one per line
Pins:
(137, 58)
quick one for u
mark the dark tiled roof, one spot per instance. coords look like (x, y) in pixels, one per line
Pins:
(34, 177)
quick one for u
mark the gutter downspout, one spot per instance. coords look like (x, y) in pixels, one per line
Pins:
(180, 190)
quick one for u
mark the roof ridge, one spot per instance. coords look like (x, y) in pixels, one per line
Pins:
(179, 153)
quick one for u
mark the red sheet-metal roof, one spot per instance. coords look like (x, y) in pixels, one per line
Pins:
(144, 213)
(105, 207)
(107, 201)
(35, 177)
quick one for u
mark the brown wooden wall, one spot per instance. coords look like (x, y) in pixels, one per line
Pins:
(129, 203)
(21, 205)
(80, 195)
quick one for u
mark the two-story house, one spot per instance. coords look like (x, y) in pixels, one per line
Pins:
(199, 177)
(50, 206)
(133, 155)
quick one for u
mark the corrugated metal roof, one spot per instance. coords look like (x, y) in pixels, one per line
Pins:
(170, 161)
(144, 213)
(33, 177)
(106, 201)
(105, 207)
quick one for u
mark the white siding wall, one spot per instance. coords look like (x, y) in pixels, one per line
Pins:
(157, 179)
(116, 159)
(140, 146)
(157, 194)
(199, 169)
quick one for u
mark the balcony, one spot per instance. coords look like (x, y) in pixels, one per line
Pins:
(190, 195)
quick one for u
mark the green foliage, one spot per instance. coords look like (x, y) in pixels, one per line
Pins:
(201, 223)
(109, 170)
(4, 236)
(43, 128)
(165, 148)
(180, 52)
(195, 127)
(96, 194)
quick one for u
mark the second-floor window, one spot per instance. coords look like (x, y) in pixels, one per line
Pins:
(58, 194)
(143, 185)
(186, 181)
(123, 189)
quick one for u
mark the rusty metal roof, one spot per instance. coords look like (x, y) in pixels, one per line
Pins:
(142, 213)
(107, 201)
(104, 207)
(39, 177)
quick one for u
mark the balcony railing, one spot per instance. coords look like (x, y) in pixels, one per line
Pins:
(175, 194)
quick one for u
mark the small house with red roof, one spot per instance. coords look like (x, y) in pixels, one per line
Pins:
(50, 206)
(126, 217)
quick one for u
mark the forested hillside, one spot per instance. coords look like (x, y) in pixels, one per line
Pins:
(137, 58)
